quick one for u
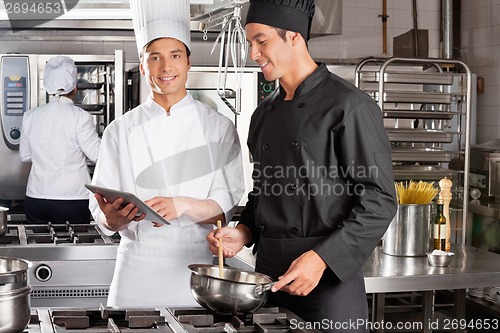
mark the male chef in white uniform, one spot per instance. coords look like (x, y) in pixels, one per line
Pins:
(178, 155)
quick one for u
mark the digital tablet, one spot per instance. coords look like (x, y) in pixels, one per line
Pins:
(111, 195)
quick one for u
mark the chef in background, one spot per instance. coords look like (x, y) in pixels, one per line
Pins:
(323, 185)
(175, 153)
(58, 138)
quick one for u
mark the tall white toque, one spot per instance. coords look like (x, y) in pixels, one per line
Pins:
(154, 19)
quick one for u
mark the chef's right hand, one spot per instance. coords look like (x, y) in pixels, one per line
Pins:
(118, 215)
(232, 241)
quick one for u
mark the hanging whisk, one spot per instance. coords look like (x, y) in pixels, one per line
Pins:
(233, 45)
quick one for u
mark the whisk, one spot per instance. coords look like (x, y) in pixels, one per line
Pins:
(235, 47)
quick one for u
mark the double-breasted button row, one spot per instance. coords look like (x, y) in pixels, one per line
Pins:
(300, 105)
(294, 144)
(293, 230)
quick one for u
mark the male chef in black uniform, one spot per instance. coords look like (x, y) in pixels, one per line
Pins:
(323, 185)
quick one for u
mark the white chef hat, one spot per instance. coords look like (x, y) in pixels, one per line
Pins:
(154, 19)
(59, 76)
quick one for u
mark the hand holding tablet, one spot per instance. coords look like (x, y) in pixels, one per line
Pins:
(111, 195)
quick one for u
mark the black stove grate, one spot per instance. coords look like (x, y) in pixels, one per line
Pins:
(160, 320)
(34, 324)
(63, 234)
(199, 320)
(106, 320)
(11, 237)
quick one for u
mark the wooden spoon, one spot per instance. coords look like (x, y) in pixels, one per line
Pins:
(221, 258)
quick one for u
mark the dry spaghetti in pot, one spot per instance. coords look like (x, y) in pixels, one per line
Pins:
(417, 193)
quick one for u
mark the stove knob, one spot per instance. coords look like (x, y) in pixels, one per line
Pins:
(43, 273)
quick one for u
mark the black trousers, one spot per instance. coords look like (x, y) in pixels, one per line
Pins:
(42, 211)
(333, 306)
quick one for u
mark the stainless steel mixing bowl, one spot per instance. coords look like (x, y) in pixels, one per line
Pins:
(440, 260)
(3, 221)
(15, 310)
(237, 291)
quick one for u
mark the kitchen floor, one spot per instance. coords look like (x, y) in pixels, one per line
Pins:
(406, 309)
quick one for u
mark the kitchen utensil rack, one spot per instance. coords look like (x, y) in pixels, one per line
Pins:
(426, 104)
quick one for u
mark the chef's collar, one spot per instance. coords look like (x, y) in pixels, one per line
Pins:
(186, 101)
(62, 99)
(309, 83)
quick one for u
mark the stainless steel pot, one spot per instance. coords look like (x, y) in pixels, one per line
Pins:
(3, 220)
(15, 309)
(13, 273)
(238, 291)
(14, 295)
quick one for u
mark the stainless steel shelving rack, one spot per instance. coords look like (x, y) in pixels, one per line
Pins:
(426, 105)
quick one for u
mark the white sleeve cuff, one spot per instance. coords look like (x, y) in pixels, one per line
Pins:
(101, 222)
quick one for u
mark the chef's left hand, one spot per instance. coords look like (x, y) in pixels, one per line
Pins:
(302, 276)
(168, 207)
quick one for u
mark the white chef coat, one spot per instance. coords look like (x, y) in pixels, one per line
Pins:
(57, 138)
(139, 154)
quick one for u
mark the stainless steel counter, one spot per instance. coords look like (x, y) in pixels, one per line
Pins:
(470, 267)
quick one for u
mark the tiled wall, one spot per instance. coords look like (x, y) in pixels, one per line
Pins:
(481, 51)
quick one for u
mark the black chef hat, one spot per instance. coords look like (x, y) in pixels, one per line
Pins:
(292, 15)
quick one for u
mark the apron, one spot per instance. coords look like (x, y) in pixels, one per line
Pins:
(336, 306)
(154, 272)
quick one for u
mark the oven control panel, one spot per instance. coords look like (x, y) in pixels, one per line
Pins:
(477, 180)
(14, 88)
(265, 87)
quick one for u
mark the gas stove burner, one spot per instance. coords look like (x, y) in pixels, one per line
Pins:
(63, 234)
(101, 319)
(108, 320)
(11, 237)
(195, 320)
(43, 234)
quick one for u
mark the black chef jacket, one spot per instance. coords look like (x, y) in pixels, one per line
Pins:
(322, 176)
